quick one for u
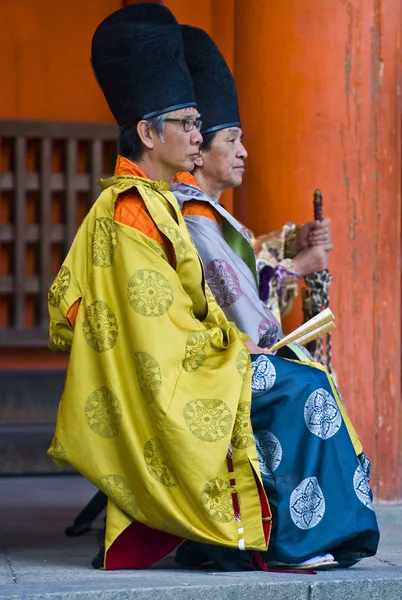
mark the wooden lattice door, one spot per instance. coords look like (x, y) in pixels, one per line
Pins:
(49, 174)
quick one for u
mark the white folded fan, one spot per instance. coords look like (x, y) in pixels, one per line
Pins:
(311, 330)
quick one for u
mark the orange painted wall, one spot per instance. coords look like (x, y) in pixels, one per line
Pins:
(319, 87)
(45, 69)
(216, 17)
(188, 13)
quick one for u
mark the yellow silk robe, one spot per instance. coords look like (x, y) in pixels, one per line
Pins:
(158, 383)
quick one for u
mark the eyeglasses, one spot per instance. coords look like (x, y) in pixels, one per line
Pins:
(187, 124)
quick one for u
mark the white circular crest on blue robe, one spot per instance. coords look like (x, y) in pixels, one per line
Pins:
(269, 451)
(321, 414)
(307, 504)
(263, 375)
(365, 465)
(362, 487)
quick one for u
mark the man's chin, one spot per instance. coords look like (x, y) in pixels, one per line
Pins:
(188, 165)
(237, 180)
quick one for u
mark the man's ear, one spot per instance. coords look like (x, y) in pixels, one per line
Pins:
(199, 161)
(146, 134)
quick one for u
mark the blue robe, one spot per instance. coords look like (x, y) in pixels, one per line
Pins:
(315, 476)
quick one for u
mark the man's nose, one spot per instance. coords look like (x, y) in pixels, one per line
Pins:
(242, 152)
(196, 137)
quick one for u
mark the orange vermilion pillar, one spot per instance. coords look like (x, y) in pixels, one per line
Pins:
(319, 90)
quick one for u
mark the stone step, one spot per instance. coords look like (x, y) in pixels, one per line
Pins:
(38, 562)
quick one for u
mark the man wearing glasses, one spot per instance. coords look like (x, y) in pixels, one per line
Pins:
(156, 405)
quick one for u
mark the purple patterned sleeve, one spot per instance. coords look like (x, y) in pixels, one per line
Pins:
(279, 274)
(266, 275)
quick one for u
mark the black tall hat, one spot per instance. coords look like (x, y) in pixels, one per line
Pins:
(137, 57)
(214, 85)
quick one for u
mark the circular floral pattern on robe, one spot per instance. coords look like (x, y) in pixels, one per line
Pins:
(362, 488)
(194, 355)
(118, 488)
(158, 463)
(100, 327)
(263, 375)
(149, 293)
(179, 528)
(365, 465)
(267, 332)
(269, 451)
(321, 414)
(175, 236)
(104, 242)
(242, 436)
(242, 362)
(209, 420)
(216, 499)
(156, 248)
(258, 544)
(307, 504)
(223, 281)
(103, 412)
(149, 375)
(60, 343)
(56, 451)
(60, 286)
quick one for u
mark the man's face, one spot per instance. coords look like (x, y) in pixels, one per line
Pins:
(224, 162)
(179, 148)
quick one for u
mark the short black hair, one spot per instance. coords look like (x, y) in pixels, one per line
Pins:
(207, 139)
(130, 145)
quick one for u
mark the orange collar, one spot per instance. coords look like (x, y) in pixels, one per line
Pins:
(185, 177)
(126, 167)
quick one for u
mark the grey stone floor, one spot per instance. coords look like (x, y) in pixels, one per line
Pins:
(37, 561)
